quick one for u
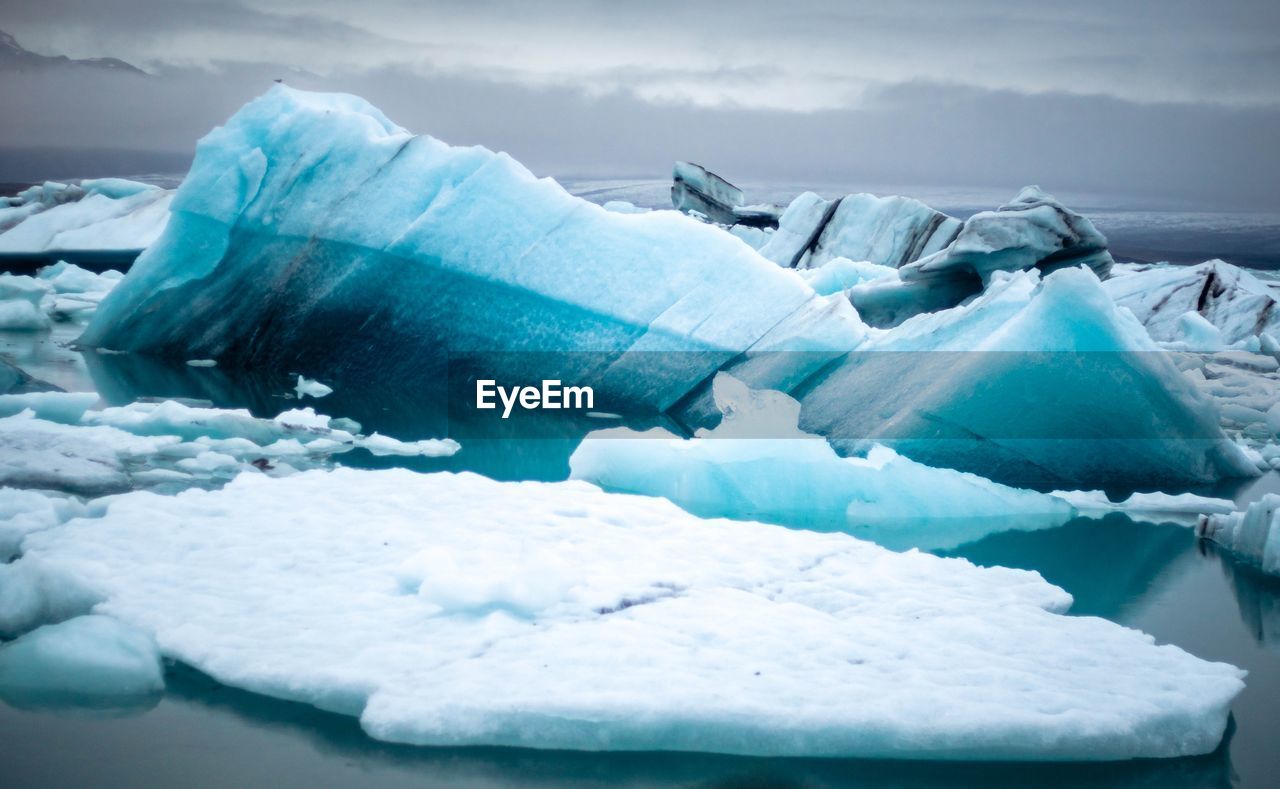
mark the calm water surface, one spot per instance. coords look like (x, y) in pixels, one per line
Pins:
(1156, 578)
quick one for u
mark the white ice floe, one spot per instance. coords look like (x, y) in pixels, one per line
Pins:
(1252, 535)
(1032, 230)
(449, 609)
(88, 660)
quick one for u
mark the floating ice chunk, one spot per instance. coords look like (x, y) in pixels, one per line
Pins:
(1236, 302)
(64, 407)
(23, 288)
(22, 315)
(35, 453)
(14, 380)
(54, 441)
(202, 363)
(307, 386)
(1038, 381)
(757, 464)
(891, 231)
(378, 444)
(1139, 506)
(1033, 230)
(1252, 535)
(86, 661)
(696, 189)
(738, 637)
(66, 277)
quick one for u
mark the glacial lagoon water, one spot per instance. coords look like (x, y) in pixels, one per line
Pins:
(1154, 577)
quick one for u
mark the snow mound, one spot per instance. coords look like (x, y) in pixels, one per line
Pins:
(455, 610)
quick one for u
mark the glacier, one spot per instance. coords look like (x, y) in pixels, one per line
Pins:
(466, 611)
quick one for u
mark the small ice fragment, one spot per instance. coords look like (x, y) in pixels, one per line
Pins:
(202, 362)
(308, 386)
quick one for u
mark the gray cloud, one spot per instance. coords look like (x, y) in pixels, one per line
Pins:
(1171, 100)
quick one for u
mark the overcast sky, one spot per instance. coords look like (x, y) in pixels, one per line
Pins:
(1167, 99)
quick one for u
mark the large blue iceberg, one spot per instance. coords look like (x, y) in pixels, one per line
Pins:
(314, 235)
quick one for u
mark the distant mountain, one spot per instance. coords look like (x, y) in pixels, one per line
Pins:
(14, 58)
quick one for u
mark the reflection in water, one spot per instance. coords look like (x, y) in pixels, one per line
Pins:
(1257, 594)
(1105, 563)
(1141, 574)
(253, 737)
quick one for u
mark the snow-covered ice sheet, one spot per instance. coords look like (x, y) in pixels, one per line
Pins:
(453, 610)
(757, 464)
(90, 660)
(1253, 535)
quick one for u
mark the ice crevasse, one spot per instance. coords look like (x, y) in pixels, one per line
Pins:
(467, 611)
(313, 233)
